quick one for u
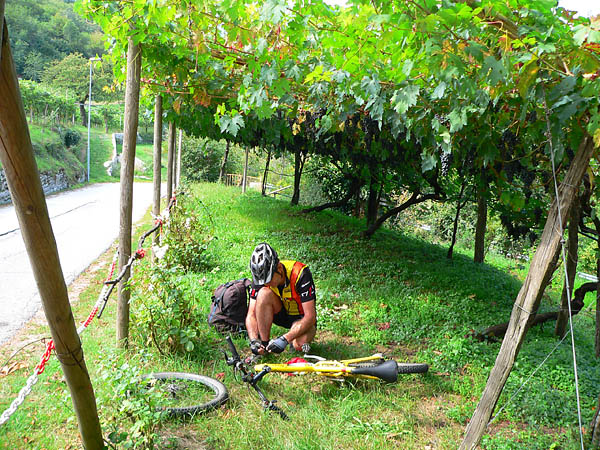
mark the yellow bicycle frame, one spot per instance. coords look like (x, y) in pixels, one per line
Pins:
(327, 368)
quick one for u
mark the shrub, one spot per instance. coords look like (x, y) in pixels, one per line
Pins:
(70, 137)
(166, 313)
(129, 404)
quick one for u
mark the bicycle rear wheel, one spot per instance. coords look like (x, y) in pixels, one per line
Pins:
(187, 394)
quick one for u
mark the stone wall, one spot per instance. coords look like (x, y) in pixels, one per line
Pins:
(51, 182)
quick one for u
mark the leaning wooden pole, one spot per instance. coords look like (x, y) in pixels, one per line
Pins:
(132, 105)
(529, 296)
(16, 155)
(2, 8)
(156, 162)
(170, 160)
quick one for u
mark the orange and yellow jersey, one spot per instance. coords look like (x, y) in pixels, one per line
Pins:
(298, 288)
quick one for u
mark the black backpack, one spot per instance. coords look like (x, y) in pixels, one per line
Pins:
(230, 306)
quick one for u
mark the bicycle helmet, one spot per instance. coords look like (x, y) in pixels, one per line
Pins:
(263, 264)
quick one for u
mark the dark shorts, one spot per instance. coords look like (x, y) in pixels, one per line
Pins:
(283, 319)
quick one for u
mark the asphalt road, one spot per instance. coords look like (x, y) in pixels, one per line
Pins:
(85, 222)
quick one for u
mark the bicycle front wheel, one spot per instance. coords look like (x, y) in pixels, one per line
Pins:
(188, 394)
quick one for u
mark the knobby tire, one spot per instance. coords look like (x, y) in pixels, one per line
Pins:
(179, 386)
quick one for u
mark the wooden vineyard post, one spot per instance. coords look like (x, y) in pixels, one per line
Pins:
(245, 176)
(132, 104)
(224, 162)
(16, 155)
(178, 160)
(170, 159)
(156, 162)
(529, 296)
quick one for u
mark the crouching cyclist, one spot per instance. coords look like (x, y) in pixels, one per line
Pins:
(282, 293)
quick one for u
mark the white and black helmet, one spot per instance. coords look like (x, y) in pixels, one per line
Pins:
(263, 264)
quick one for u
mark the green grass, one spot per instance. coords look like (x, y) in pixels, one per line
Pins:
(145, 153)
(430, 303)
(52, 156)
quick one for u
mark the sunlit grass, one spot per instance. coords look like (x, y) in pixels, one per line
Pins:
(393, 293)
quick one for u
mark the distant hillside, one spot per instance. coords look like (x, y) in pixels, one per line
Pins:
(42, 33)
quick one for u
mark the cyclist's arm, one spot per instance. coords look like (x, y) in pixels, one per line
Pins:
(303, 325)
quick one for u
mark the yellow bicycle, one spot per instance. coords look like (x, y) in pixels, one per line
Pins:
(373, 367)
(188, 394)
(370, 367)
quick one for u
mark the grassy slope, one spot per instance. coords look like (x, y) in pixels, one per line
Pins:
(100, 152)
(430, 303)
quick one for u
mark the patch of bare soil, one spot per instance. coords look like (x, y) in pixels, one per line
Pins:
(184, 440)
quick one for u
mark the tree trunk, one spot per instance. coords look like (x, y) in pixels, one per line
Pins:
(358, 205)
(529, 297)
(170, 159)
(372, 203)
(156, 161)
(18, 161)
(597, 340)
(459, 205)
(298, 165)
(480, 227)
(413, 200)
(595, 426)
(266, 173)
(571, 268)
(355, 187)
(132, 105)
(245, 176)
(82, 112)
(224, 162)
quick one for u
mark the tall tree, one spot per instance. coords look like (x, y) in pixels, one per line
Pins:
(72, 74)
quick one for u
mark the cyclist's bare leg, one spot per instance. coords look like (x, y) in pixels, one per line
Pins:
(267, 305)
(305, 338)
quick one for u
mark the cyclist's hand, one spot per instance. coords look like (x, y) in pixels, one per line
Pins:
(277, 345)
(257, 347)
